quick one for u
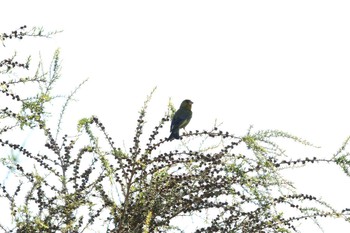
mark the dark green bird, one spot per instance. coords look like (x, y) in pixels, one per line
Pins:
(181, 118)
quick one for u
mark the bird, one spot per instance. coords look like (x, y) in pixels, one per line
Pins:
(181, 119)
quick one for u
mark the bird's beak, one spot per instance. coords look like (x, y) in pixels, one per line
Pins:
(191, 102)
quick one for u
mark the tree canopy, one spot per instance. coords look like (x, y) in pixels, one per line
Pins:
(81, 181)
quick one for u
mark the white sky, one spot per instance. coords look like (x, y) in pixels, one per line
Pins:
(274, 64)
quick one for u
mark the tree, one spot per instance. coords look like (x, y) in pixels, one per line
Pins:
(84, 182)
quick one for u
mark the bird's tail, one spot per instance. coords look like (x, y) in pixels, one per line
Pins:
(174, 134)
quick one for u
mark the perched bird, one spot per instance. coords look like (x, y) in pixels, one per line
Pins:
(181, 118)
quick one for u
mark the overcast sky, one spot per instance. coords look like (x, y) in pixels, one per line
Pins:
(272, 64)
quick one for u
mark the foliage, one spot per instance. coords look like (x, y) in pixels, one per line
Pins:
(85, 182)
